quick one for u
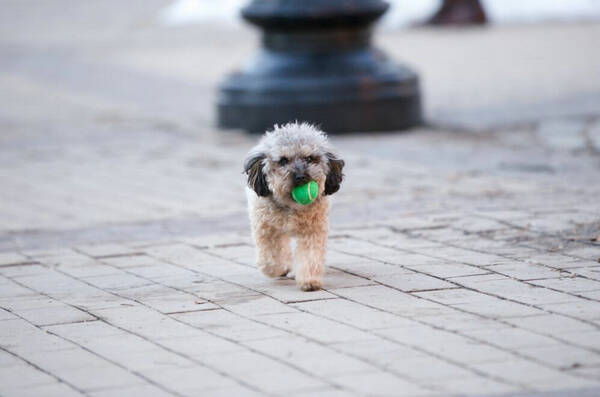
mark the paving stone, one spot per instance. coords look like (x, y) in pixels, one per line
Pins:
(145, 322)
(6, 315)
(51, 390)
(367, 269)
(513, 339)
(336, 364)
(394, 301)
(11, 289)
(472, 385)
(28, 302)
(127, 261)
(568, 383)
(591, 271)
(64, 259)
(74, 358)
(84, 331)
(562, 356)
(116, 282)
(500, 309)
(472, 353)
(11, 258)
(21, 376)
(235, 391)
(382, 384)
(141, 361)
(257, 305)
(594, 295)
(353, 313)
(201, 345)
(228, 325)
(448, 270)
(582, 309)
(570, 284)
(592, 373)
(326, 392)
(241, 363)
(585, 252)
(14, 332)
(55, 284)
(587, 339)
(9, 360)
(133, 391)
(553, 260)
(14, 272)
(178, 303)
(454, 296)
(286, 381)
(463, 256)
(56, 314)
(521, 372)
(339, 279)
(190, 380)
(551, 324)
(524, 271)
(381, 349)
(522, 292)
(164, 271)
(429, 370)
(90, 270)
(460, 321)
(104, 250)
(320, 329)
(414, 282)
(105, 377)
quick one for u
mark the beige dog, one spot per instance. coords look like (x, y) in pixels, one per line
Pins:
(286, 157)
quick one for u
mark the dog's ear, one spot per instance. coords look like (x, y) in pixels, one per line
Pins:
(335, 175)
(257, 181)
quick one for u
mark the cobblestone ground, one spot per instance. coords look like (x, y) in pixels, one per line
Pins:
(464, 255)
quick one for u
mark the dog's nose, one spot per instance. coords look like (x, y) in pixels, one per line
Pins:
(300, 179)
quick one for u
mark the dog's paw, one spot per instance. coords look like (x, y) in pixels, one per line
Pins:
(274, 271)
(310, 285)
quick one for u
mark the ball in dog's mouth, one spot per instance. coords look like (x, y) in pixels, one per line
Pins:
(306, 194)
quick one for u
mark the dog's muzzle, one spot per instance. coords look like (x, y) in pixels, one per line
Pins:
(300, 178)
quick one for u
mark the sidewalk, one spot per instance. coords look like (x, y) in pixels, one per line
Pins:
(463, 259)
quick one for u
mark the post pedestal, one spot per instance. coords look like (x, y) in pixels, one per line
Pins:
(317, 64)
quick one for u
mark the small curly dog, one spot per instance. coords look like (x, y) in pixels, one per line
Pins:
(288, 156)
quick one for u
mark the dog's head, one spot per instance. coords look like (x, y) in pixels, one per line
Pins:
(290, 156)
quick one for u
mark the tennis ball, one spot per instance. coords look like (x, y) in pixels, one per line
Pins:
(306, 194)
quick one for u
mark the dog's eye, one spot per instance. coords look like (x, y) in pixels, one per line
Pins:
(283, 161)
(312, 159)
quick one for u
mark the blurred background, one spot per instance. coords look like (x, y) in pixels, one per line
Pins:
(403, 13)
(108, 114)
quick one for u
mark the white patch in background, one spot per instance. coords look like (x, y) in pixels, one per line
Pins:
(184, 12)
(402, 12)
(405, 12)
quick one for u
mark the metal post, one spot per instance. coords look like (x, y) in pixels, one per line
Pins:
(317, 64)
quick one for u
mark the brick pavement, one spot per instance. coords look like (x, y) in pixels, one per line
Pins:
(404, 312)
(463, 258)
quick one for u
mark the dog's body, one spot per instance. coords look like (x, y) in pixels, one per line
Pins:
(287, 157)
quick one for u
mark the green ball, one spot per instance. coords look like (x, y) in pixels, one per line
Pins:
(306, 194)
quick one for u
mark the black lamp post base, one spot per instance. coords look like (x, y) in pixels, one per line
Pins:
(317, 65)
(383, 115)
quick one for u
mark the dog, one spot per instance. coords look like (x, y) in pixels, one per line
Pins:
(286, 157)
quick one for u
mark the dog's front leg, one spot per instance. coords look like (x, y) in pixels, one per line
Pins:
(274, 252)
(310, 256)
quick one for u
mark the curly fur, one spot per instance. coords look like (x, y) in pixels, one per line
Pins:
(274, 167)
